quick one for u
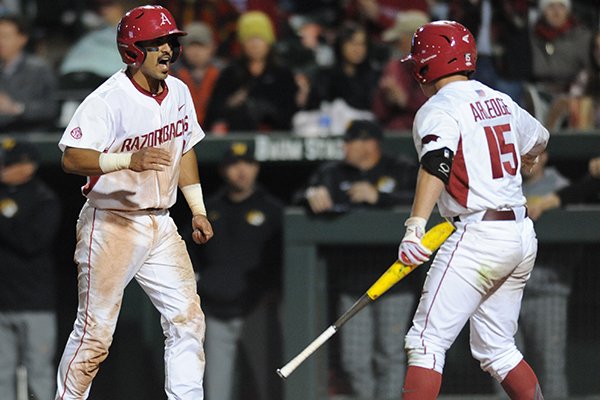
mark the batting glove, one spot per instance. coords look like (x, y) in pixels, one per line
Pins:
(411, 250)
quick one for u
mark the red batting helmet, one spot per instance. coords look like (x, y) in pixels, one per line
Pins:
(441, 48)
(142, 24)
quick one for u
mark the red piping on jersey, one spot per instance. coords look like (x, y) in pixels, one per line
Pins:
(435, 296)
(158, 97)
(87, 305)
(458, 184)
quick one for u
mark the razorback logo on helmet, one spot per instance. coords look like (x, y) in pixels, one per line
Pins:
(76, 133)
(164, 19)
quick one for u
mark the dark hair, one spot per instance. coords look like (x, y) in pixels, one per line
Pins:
(345, 34)
(19, 22)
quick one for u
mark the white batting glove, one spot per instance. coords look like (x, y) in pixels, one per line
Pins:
(411, 251)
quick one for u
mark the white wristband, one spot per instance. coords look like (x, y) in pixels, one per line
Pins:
(110, 162)
(195, 199)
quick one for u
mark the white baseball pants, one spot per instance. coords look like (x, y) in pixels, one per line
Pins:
(478, 276)
(113, 247)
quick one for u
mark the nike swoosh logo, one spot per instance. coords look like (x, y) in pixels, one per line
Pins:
(180, 107)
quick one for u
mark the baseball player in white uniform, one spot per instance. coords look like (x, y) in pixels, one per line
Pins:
(133, 138)
(472, 142)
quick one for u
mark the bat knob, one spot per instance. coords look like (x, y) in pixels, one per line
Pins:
(281, 375)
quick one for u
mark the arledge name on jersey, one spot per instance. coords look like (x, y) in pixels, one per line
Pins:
(493, 108)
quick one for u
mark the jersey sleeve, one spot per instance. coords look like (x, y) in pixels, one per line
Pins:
(196, 133)
(434, 129)
(92, 126)
(530, 132)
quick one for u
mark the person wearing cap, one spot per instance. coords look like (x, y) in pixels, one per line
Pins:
(239, 273)
(398, 96)
(30, 215)
(557, 43)
(254, 92)
(372, 356)
(199, 70)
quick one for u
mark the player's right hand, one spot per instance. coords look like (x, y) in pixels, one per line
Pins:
(319, 199)
(150, 158)
(411, 251)
(203, 231)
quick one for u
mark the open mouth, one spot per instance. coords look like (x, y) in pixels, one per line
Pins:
(164, 63)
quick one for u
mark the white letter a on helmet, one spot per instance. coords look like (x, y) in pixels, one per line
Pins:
(164, 19)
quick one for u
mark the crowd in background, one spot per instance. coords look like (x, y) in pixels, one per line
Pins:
(306, 67)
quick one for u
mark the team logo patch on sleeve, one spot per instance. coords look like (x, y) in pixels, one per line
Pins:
(429, 138)
(76, 133)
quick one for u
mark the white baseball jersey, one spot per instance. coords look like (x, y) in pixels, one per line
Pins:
(466, 117)
(121, 117)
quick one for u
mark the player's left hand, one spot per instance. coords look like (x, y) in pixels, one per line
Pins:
(411, 250)
(203, 231)
(363, 192)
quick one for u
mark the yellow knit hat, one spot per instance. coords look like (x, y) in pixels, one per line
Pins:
(255, 24)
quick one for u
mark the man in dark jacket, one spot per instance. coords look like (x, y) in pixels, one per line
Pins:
(29, 221)
(372, 355)
(238, 274)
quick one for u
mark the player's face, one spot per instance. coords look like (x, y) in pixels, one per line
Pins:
(241, 176)
(159, 53)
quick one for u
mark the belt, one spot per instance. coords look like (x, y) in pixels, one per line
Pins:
(495, 215)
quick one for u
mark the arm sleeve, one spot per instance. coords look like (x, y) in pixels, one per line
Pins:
(530, 132)
(92, 126)
(434, 129)
(195, 131)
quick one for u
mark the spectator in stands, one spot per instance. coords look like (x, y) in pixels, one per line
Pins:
(399, 96)
(372, 356)
(543, 323)
(557, 58)
(94, 57)
(27, 83)
(581, 108)
(353, 78)
(30, 215)
(379, 15)
(305, 50)
(239, 274)
(584, 190)
(222, 17)
(253, 93)
(501, 29)
(198, 68)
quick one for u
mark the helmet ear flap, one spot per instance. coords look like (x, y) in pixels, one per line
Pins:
(176, 47)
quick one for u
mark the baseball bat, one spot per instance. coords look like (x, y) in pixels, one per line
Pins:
(432, 239)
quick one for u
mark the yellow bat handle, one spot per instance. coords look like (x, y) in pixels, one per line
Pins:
(432, 239)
